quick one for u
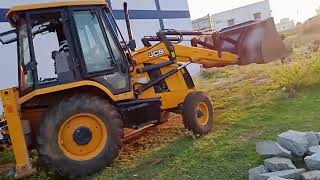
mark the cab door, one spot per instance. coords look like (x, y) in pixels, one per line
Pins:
(103, 59)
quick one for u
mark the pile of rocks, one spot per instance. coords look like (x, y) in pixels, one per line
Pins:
(295, 155)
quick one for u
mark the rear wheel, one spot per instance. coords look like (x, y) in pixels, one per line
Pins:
(80, 136)
(198, 115)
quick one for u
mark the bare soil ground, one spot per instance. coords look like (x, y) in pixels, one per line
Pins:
(151, 140)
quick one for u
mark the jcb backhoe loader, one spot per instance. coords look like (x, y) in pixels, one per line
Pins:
(102, 84)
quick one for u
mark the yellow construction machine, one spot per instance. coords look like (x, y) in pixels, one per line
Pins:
(101, 84)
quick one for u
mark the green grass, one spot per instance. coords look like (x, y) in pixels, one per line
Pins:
(214, 74)
(6, 157)
(228, 153)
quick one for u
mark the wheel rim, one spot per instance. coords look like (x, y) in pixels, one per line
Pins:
(203, 113)
(82, 137)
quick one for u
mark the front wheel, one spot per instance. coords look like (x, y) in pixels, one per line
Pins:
(80, 135)
(198, 113)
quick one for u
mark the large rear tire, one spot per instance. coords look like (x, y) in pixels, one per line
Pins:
(80, 136)
(198, 113)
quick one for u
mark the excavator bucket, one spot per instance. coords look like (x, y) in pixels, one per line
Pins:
(253, 41)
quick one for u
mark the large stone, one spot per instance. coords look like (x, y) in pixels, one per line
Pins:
(278, 178)
(296, 142)
(278, 164)
(311, 175)
(272, 149)
(288, 174)
(313, 161)
(313, 150)
(312, 139)
(318, 135)
(255, 172)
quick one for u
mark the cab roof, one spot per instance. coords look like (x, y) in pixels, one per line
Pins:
(16, 9)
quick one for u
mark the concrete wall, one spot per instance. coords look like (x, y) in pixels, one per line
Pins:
(242, 14)
(147, 18)
(204, 24)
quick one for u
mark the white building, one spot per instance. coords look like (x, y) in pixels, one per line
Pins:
(147, 18)
(285, 25)
(204, 24)
(257, 11)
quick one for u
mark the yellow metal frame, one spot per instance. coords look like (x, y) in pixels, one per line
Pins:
(177, 86)
(11, 108)
(176, 83)
(207, 57)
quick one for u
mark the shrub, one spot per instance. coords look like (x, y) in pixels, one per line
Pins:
(298, 74)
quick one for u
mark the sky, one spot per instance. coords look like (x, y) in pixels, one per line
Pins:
(298, 10)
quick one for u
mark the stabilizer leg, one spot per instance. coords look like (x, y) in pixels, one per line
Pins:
(12, 115)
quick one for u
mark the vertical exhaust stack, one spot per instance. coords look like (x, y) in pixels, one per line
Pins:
(132, 43)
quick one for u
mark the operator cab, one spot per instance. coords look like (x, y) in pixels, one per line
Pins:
(59, 44)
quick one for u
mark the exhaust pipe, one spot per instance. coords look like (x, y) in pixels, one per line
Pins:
(132, 43)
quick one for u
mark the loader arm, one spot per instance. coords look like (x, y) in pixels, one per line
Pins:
(207, 57)
(251, 42)
(183, 53)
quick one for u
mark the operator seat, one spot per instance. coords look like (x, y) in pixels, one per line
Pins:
(65, 67)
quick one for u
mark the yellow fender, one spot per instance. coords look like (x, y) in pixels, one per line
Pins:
(123, 96)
